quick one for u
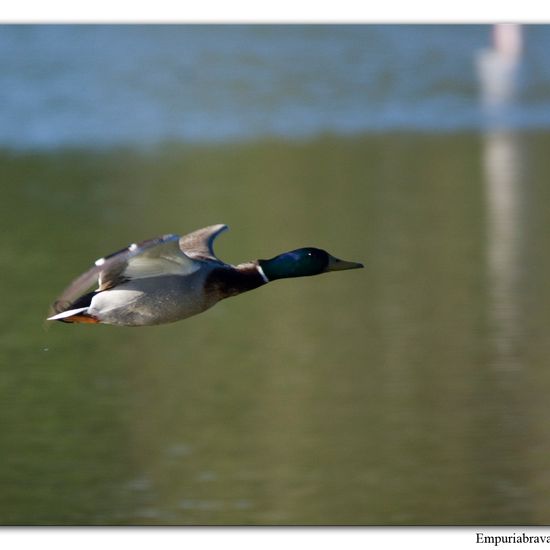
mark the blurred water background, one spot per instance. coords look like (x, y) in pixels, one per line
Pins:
(411, 392)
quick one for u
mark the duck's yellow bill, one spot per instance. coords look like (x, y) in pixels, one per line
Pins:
(335, 264)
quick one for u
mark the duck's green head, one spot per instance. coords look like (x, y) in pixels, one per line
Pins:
(303, 263)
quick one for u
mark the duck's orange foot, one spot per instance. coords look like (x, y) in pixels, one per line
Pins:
(79, 319)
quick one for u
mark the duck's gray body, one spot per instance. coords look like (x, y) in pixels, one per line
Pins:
(154, 301)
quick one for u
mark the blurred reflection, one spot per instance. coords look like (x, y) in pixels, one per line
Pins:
(502, 169)
(498, 70)
(502, 162)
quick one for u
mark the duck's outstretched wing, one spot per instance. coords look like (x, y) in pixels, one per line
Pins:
(151, 258)
(200, 243)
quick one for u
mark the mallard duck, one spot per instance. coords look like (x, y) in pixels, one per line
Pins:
(171, 278)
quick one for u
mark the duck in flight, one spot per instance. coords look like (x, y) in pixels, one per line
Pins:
(171, 278)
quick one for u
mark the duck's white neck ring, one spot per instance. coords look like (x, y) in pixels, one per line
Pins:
(261, 272)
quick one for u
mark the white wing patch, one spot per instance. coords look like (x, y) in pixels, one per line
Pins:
(163, 259)
(141, 267)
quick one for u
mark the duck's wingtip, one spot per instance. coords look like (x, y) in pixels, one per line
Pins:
(216, 230)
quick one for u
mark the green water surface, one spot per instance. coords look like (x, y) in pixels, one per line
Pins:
(411, 392)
